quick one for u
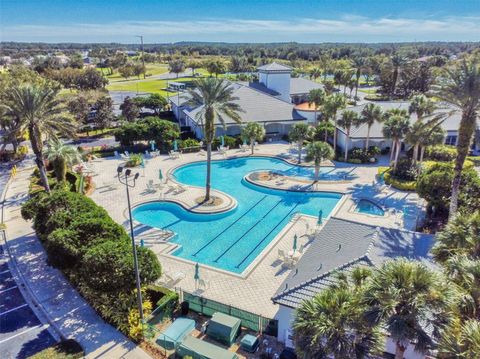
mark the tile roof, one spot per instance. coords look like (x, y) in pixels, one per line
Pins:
(257, 107)
(275, 67)
(300, 85)
(343, 245)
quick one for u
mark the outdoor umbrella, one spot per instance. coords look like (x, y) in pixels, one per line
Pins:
(320, 215)
(142, 163)
(196, 276)
(244, 141)
(175, 147)
(294, 243)
(160, 175)
(223, 141)
(152, 145)
(142, 243)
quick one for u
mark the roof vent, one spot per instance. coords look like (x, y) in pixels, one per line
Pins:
(286, 286)
(339, 247)
(320, 267)
(296, 272)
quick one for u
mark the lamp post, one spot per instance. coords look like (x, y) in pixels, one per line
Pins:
(143, 56)
(125, 181)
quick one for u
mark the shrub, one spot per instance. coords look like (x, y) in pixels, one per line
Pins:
(189, 142)
(443, 153)
(406, 170)
(402, 185)
(134, 160)
(228, 140)
(354, 160)
(363, 155)
(66, 349)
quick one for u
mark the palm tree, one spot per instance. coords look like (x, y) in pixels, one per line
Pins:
(299, 133)
(421, 134)
(410, 301)
(422, 106)
(436, 136)
(315, 73)
(460, 340)
(317, 152)
(253, 131)
(371, 113)
(217, 102)
(61, 156)
(40, 112)
(397, 62)
(396, 127)
(359, 64)
(316, 98)
(349, 118)
(331, 323)
(460, 87)
(332, 105)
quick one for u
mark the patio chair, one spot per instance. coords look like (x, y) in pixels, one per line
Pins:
(173, 278)
(147, 154)
(150, 187)
(298, 253)
(115, 154)
(288, 263)
(124, 157)
(180, 188)
(127, 153)
(202, 152)
(202, 283)
(281, 255)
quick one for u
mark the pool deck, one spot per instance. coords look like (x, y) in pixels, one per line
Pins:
(253, 289)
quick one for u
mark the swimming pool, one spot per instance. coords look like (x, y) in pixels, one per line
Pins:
(232, 240)
(368, 207)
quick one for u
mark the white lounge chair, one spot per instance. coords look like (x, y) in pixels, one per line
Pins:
(202, 152)
(173, 278)
(124, 157)
(281, 255)
(288, 263)
(203, 284)
(180, 188)
(298, 252)
(127, 153)
(150, 187)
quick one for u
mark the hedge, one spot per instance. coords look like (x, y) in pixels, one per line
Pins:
(66, 349)
(399, 184)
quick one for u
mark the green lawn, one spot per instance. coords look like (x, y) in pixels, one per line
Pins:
(369, 91)
(149, 86)
(152, 70)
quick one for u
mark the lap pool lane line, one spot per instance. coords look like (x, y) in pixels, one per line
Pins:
(229, 226)
(263, 239)
(248, 230)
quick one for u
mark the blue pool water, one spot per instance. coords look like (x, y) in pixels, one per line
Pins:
(232, 240)
(367, 207)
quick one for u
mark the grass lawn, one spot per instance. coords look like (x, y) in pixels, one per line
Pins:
(152, 70)
(367, 90)
(149, 86)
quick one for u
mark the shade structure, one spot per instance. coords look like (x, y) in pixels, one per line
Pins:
(294, 242)
(175, 333)
(320, 217)
(160, 175)
(199, 349)
(223, 328)
(175, 145)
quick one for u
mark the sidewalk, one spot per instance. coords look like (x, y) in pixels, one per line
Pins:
(67, 311)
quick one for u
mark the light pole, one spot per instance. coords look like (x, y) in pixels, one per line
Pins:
(143, 56)
(125, 181)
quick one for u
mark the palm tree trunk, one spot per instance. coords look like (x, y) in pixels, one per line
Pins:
(335, 135)
(317, 171)
(326, 130)
(465, 133)
(209, 170)
(346, 146)
(422, 152)
(368, 138)
(415, 153)
(252, 144)
(392, 150)
(36, 141)
(399, 351)
(397, 154)
(299, 152)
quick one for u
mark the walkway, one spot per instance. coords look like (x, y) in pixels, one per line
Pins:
(66, 310)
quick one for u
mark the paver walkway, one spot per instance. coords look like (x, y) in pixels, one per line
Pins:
(66, 309)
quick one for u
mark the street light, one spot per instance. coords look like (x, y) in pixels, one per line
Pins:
(125, 181)
(143, 56)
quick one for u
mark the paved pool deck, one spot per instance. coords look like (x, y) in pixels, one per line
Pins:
(252, 289)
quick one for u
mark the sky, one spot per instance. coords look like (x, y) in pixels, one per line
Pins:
(307, 21)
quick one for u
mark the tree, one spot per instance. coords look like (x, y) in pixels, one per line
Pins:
(154, 101)
(460, 340)
(410, 301)
(332, 105)
(397, 62)
(421, 106)
(61, 156)
(91, 79)
(422, 133)
(104, 112)
(129, 109)
(216, 67)
(194, 64)
(316, 97)
(349, 118)
(299, 133)
(370, 114)
(126, 71)
(460, 87)
(139, 69)
(359, 64)
(253, 131)
(238, 64)
(331, 323)
(318, 152)
(217, 102)
(176, 66)
(40, 112)
(396, 127)
(315, 73)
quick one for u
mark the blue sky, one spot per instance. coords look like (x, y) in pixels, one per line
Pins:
(240, 21)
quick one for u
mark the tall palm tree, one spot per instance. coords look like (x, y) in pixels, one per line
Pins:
(253, 131)
(421, 106)
(315, 73)
(316, 97)
(348, 119)
(434, 137)
(359, 64)
(299, 133)
(397, 62)
(217, 102)
(317, 152)
(410, 301)
(396, 127)
(460, 340)
(371, 113)
(420, 133)
(61, 156)
(331, 323)
(39, 111)
(332, 105)
(460, 87)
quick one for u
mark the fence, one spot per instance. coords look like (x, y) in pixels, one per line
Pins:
(249, 320)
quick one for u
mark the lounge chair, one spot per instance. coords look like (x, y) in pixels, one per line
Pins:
(180, 188)
(124, 157)
(127, 153)
(115, 154)
(288, 263)
(173, 278)
(202, 152)
(281, 255)
(203, 284)
(298, 252)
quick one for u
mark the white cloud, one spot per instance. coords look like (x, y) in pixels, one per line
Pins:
(347, 27)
